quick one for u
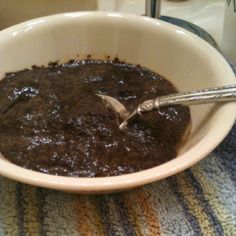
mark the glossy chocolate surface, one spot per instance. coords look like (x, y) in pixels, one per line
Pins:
(52, 121)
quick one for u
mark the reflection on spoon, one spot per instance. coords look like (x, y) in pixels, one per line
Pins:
(115, 105)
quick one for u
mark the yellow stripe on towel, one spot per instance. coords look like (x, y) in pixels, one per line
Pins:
(209, 188)
(31, 210)
(194, 204)
(8, 208)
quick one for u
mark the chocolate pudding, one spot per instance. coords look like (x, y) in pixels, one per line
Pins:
(52, 121)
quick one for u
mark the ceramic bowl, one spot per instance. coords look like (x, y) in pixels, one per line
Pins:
(183, 58)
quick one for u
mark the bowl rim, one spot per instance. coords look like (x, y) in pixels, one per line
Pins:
(115, 183)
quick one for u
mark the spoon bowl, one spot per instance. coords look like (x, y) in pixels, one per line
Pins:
(115, 105)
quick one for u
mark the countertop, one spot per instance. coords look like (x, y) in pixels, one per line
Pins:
(207, 14)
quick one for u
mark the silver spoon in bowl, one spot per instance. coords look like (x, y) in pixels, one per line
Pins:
(208, 95)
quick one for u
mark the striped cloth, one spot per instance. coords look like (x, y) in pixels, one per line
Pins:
(198, 201)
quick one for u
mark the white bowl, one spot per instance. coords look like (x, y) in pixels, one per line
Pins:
(180, 56)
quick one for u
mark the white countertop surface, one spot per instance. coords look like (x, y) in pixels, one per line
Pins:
(208, 14)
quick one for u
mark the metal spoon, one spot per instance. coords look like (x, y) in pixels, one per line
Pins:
(208, 95)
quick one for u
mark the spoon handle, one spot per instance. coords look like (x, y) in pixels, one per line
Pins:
(210, 95)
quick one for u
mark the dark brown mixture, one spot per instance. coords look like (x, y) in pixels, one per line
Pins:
(51, 120)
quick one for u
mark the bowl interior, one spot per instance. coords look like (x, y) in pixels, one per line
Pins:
(184, 59)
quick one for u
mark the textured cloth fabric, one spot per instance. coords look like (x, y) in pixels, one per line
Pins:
(198, 201)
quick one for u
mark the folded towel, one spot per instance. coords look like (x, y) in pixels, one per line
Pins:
(198, 201)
